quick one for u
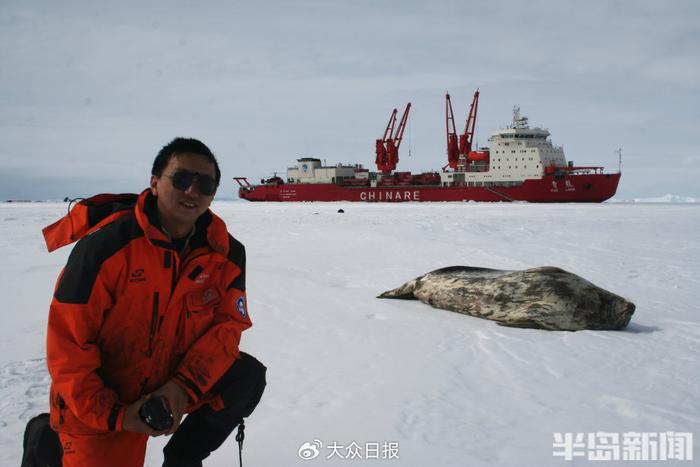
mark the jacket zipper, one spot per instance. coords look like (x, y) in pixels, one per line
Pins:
(61, 408)
(154, 323)
(174, 276)
(143, 384)
(173, 280)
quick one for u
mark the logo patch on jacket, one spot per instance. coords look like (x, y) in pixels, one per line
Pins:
(202, 299)
(137, 275)
(209, 296)
(240, 306)
(202, 278)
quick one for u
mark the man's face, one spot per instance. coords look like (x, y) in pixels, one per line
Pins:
(177, 209)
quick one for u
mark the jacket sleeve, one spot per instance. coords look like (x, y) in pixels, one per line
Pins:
(216, 350)
(73, 357)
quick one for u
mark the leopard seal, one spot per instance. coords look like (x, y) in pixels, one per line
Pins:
(542, 298)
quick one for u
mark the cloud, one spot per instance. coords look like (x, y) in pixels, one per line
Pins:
(93, 90)
(693, 160)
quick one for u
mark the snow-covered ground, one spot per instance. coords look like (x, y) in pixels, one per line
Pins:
(451, 390)
(667, 198)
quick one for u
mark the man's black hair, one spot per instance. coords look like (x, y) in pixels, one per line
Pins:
(181, 145)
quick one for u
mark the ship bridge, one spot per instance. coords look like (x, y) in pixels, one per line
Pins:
(519, 129)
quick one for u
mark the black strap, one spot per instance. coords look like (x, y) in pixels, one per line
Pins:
(240, 436)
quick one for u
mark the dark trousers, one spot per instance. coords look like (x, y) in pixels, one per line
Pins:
(205, 429)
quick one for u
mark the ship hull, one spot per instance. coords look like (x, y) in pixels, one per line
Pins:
(583, 188)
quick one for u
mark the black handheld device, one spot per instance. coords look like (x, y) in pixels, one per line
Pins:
(156, 413)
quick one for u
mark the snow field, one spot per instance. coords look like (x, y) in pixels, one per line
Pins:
(452, 390)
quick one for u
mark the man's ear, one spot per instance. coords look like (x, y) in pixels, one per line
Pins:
(154, 185)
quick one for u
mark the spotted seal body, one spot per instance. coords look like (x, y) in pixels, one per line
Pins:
(544, 298)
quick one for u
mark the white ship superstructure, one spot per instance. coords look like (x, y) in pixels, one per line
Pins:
(310, 170)
(517, 153)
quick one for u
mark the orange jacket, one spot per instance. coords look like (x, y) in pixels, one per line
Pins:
(129, 313)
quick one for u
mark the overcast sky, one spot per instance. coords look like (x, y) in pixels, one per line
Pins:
(90, 91)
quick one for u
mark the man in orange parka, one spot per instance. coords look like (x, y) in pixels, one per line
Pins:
(151, 304)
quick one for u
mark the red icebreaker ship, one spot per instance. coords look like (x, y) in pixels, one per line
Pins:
(521, 164)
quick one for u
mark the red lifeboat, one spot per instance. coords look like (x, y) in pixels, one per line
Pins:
(478, 156)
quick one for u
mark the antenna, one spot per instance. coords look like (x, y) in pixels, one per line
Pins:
(519, 122)
(619, 160)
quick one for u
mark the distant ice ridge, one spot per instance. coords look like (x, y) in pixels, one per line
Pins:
(667, 198)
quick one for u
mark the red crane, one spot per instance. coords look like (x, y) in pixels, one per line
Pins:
(381, 159)
(387, 148)
(463, 151)
(465, 139)
(452, 147)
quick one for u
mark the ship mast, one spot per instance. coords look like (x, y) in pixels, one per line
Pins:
(519, 123)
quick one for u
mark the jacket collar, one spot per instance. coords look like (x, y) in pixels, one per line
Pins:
(95, 212)
(209, 228)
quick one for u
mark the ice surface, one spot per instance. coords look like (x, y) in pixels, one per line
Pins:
(667, 198)
(452, 390)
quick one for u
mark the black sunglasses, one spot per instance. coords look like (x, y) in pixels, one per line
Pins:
(183, 179)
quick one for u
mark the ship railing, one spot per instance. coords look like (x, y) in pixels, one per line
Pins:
(584, 170)
(572, 170)
(243, 182)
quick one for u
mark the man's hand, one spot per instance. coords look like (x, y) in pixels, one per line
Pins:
(133, 422)
(178, 400)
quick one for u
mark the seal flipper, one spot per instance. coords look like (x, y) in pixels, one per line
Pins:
(404, 292)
